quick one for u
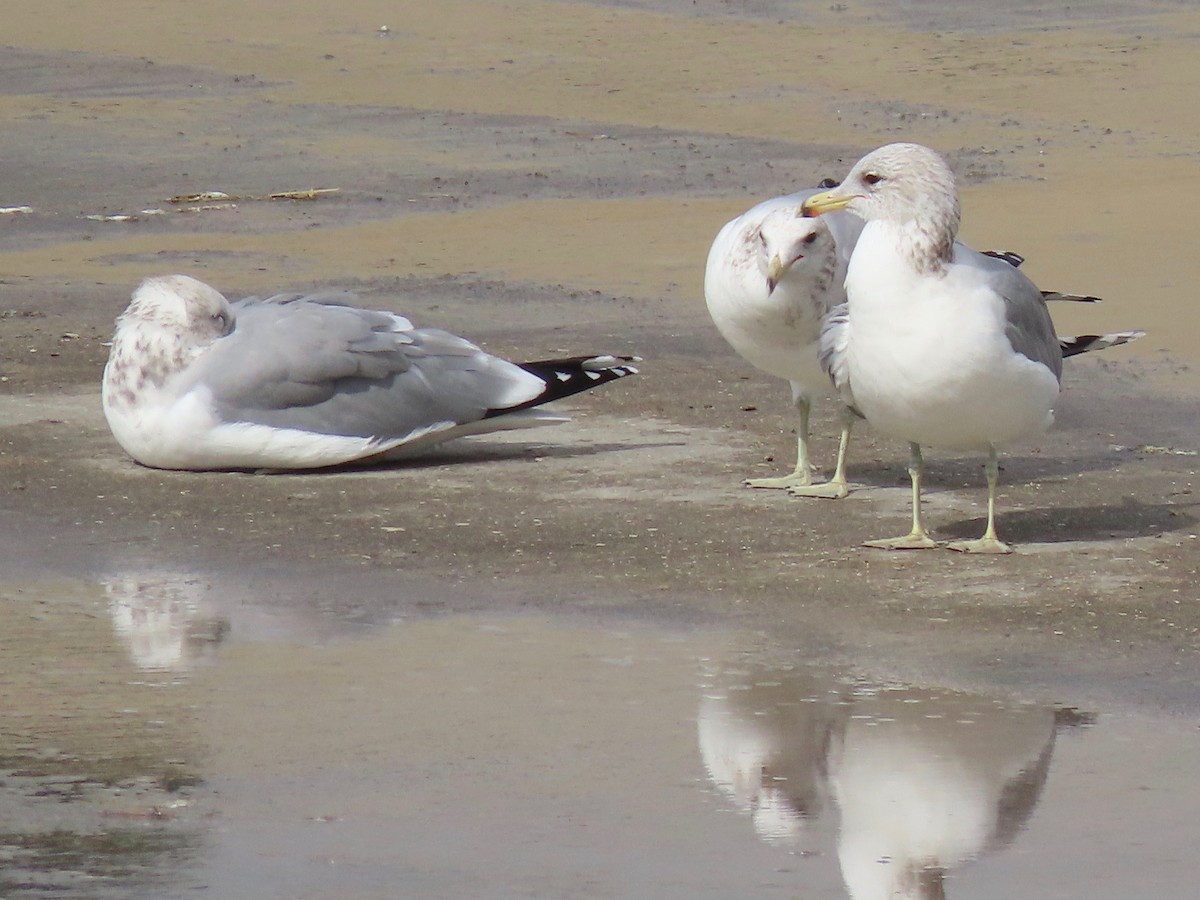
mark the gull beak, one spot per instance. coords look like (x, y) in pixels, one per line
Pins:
(775, 270)
(826, 201)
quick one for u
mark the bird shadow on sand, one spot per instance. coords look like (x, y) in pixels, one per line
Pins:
(472, 453)
(1128, 518)
(522, 452)
(966, 472)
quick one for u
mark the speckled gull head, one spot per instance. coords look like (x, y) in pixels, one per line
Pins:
(786, 237)
(168, 322)
(906, 185)
(179, 303)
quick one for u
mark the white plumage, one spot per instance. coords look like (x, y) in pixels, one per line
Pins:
(295, 382)
(938, 345)
(771, 279)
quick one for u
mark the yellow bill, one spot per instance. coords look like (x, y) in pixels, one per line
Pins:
(826, 201)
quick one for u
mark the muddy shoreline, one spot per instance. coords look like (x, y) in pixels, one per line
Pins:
(505, 227)
(547, 179)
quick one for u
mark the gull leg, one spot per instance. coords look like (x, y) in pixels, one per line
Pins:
(989, 543)
(837, 487)
(802, 475)
(917, 539)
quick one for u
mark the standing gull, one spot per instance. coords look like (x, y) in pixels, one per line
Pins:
(936, 346)
(295, 382)
(771, 279)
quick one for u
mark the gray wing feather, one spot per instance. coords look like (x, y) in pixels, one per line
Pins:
(835, 340)
(1029, 328)
(316, 365)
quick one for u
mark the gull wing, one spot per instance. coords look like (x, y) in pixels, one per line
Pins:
(1028, 327)
(315, 364)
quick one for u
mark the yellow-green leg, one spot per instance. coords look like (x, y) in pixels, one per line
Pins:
(801, 476)
(917, 539)
(989, 543)
(837, 487)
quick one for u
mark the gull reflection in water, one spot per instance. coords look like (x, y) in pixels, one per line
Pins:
(921, 780)
(164, 619)
(765, 738)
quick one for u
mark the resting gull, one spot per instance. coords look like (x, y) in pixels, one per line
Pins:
(937, 344)
(771, 279)
(300, 382)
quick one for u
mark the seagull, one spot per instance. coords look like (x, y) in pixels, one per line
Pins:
(927, 781)
(301, 382)
(773, 277)
(937, 344)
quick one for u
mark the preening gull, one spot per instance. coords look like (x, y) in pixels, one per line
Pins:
(938, 345)
(300, 382)
(772, 278)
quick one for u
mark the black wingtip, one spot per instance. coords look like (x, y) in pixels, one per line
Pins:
(572, 375)
(1008, 256)
(1069, 298)
(1085, 343)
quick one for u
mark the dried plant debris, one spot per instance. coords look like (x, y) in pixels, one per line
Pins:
(203, 201)
(311, 194)
(202, 197)
(223, 197)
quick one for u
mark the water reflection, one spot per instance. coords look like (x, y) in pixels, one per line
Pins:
(164, 619)
(98, 764)
(922, 781)
(765, 738)
(474, 756)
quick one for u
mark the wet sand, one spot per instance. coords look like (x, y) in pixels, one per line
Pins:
(547, 177)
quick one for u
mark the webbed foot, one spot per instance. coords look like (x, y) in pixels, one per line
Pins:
(915, 540)
(980, 545)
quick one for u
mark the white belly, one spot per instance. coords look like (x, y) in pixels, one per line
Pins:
(946, 400)
(185, 434)
(780, 351)
(936, 367)
(777, 333)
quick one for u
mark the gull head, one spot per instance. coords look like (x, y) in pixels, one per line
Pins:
(181, 304)
(786, 238)
(907, 185)
(169, 321)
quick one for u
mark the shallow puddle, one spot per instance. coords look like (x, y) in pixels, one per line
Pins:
(158, 742)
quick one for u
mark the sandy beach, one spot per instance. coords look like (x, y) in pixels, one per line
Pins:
(546, 177)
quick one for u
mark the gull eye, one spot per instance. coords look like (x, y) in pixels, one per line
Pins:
(809, 238)
(872, 178)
